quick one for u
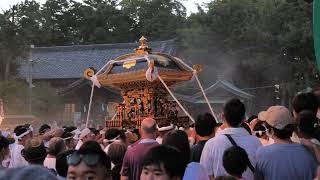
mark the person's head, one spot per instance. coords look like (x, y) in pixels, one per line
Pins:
(69, 128)
(116, 152)
(62, 164)
(114, 134)
(308, 125)
(22, 134)
(304, 101)
(278, 121)
(57, 132)
(251, 118)
(162, 163)
(164, 128)
(44, 129)
(233, 112)
(259, 130)
(34, 151)
(235, 161)
(179, 139)
(205, 125)
(68, 140)
(56, 145)
(30, 172)
(94, 131)
(89, 162)
(148, 129)
(86, 135)
(4, 148)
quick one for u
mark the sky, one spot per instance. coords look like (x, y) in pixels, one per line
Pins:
(189, 4)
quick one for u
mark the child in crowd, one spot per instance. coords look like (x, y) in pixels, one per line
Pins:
(235, 161)
(162, 162)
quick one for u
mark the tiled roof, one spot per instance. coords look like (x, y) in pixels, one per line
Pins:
(65, 62)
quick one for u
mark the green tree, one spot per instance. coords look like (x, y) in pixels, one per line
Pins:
(12, 43)
(156, 19)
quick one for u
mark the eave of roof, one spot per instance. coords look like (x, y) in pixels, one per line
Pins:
(226, 86)
(68, 62)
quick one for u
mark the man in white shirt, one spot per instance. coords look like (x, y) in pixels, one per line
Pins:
(22, 134)
(212, 154)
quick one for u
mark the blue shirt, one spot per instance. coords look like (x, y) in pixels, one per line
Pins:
(285, 161)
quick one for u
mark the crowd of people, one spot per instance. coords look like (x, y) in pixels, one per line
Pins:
(275, 144)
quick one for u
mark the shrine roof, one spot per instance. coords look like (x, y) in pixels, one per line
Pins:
(68, 62)
(227, 86)
(227, 89)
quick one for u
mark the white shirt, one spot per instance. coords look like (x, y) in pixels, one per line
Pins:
(213, 150)
(195, 171)
(16, 159)
(50, 163)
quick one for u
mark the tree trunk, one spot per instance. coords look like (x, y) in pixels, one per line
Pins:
(7, 70)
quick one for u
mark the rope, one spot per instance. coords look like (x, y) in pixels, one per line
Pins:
(90, 102)
(170, 92)
(205, 97)
(177, 101)
(93, 84)
(200, 85)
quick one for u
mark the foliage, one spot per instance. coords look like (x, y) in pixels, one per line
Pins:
(15, 94)
(253, 42)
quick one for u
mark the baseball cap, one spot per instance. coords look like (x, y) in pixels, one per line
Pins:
(277, 116)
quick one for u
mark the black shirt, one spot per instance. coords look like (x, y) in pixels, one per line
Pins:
(196, 151)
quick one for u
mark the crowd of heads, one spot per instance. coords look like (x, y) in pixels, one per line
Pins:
(233, 148)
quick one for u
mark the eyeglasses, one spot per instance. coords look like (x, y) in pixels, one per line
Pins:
(90, 159)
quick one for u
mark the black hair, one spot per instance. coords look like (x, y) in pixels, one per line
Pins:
(284, 133)
(20, 130)
(4, 143)
(62, 164)
(179, 139)
(170, 157)
(116, 152)
(113, 133)
(308, 124)
(305, 101)
(66, 134)
(94, 131)
(259, 127)
(205, 124)
(235, 161)
(69, 128)
(251, 118)
(234, 111)
(246, 127)
(43, 128)
(92, 147)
